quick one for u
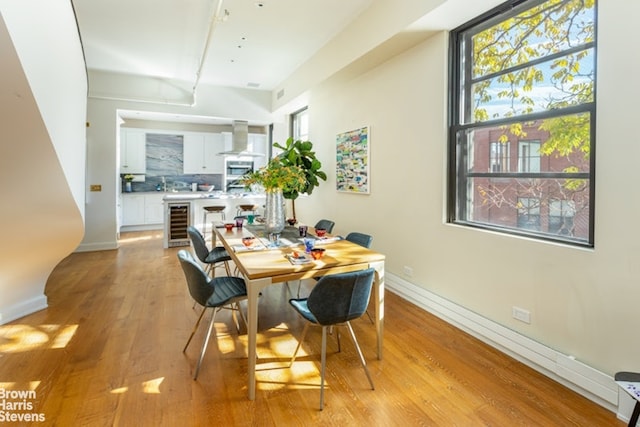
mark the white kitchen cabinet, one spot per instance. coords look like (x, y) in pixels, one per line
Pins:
(142, 209)
(257, 143)
(132, 151)
(133, 209)
(201, 153)
(153, 208)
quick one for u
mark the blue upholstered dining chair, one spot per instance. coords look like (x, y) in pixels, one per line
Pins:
(358, 238)
(334, 301)
(210, 258)
(361, 239)
(326, 224)
(215, 293)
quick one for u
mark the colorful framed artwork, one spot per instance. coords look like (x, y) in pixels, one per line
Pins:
(352, 161)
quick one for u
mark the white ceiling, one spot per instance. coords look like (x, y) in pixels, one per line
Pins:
(258, 45)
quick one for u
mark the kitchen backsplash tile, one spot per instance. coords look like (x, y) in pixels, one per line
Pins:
(164, 157)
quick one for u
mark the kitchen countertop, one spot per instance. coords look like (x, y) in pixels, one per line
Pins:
(195, 195)
(209, 195)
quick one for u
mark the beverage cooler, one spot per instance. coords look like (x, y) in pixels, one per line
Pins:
(177, 219)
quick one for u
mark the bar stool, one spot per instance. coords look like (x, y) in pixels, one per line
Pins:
(212, 210)
(242, 210)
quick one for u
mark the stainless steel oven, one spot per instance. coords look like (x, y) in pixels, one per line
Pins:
(235, 169)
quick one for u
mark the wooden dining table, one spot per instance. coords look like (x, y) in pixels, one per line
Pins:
(266, 264)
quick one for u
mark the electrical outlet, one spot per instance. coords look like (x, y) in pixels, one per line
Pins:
(521, 314)
(408, 271)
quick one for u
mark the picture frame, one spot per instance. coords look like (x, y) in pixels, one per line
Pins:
(352, 161)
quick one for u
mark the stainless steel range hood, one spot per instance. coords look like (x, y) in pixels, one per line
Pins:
(240, 140)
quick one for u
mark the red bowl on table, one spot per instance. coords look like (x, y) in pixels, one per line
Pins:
(317, 253)
(321, 232)
(229, 226)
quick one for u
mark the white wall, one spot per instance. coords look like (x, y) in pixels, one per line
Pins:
(42, 155)
(583, 303)
(101, 225)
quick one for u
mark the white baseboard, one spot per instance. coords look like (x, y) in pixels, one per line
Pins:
(585, 380)
(23, 308)
(142, 227)
(102, 246)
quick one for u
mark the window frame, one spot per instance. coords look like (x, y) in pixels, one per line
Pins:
(295, 124)
(458, 150)
(526, 160)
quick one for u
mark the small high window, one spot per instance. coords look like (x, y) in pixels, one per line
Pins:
(300, 125)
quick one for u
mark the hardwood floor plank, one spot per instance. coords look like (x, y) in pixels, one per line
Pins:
(108, 352)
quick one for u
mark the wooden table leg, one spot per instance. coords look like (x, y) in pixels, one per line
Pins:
(378, 296)
(254, 287)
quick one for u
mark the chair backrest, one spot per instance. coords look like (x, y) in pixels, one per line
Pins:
(200, 286)
(326, 224)
(338, 298)
(199, 245)
(360, 239)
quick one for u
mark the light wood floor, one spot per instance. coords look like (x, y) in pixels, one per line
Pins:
(108, 351)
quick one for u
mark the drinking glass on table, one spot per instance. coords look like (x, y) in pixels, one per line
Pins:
(308, 244)
(302, 230)
(274, 238)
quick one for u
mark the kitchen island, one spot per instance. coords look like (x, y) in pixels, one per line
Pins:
(187, 208)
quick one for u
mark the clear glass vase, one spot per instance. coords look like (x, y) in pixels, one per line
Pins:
(274, 211)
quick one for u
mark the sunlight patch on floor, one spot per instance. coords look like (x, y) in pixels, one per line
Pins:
(31, 385)
(134, 239)
(147, 387)
(18, 338)
(152, 386)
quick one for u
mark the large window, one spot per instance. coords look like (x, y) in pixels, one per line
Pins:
(523, 77)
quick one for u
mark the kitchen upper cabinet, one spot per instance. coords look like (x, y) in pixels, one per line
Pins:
(201, 153)
(132, 151)
(257, 143)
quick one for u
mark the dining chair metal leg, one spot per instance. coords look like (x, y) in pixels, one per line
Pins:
(204, 345)
(299, 285)
(360, 355)
(369, 316)
(323, 358)
(195, 327)
(304, 334)
(236, 307)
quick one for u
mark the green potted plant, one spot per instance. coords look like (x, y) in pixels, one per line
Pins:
(127, 182)
(276, 178)
(300, 153)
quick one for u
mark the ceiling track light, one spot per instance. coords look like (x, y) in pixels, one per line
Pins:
(223, 17)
